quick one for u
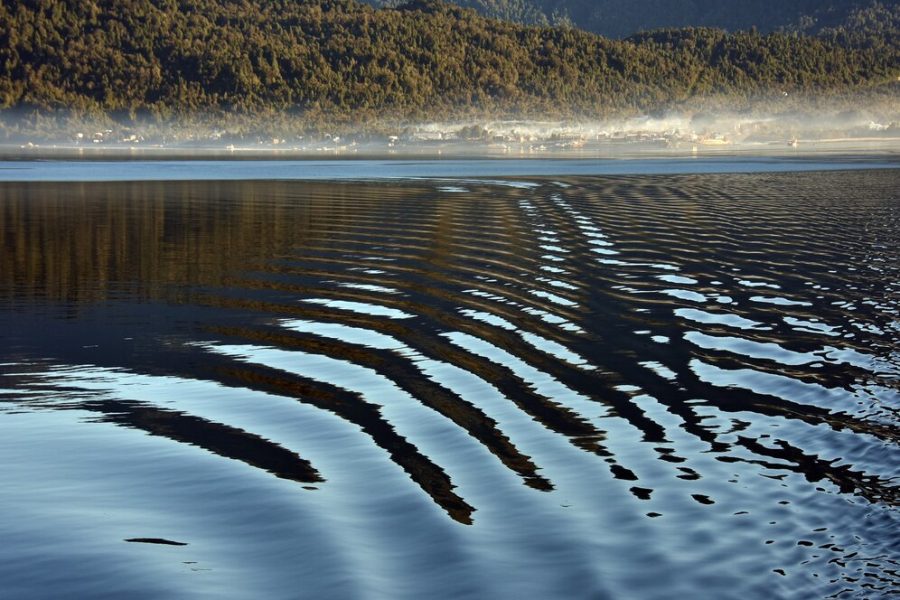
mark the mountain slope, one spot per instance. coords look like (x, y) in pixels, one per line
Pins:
(346, 60)
(621, 18)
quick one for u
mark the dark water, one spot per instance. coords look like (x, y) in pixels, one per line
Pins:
(583, 387)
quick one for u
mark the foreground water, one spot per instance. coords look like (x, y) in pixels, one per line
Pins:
(570, 387)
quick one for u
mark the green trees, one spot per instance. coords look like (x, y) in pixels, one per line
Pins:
(343, 59)
(621, 18)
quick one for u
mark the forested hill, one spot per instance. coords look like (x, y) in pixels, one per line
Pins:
(622, 18)
(344, 59)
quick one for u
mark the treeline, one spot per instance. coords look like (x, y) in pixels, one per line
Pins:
(622, 18)
(524, 12)
(425, 59)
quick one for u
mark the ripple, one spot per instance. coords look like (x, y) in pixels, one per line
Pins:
(677, 279)
(685, 295)
(364, 308)
(764, 350)
(454, 388)
(729, 320)
(778, 300)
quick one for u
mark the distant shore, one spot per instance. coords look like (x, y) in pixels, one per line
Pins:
(604, 148)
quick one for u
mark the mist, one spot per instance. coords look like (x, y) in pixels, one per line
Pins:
(867, 126)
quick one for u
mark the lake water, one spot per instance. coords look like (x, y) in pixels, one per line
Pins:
(413, 381)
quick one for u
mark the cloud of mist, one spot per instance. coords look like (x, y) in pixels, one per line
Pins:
(873, 122)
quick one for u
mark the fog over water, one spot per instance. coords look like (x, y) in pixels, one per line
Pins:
(828, 126)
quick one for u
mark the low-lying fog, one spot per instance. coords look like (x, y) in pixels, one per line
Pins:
(873, 128)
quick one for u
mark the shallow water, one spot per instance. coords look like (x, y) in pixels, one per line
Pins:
(570, 387)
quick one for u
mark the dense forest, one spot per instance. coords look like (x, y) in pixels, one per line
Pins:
(622, 18)
(340, 59)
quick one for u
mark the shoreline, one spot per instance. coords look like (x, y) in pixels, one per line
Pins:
(541, 149)
(419, 168)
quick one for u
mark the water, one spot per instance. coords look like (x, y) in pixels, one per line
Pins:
(175, 165)
(560, 387)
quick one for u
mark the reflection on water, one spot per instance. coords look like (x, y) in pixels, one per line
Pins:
(644, 387)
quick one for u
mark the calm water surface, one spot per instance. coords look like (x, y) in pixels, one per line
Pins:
(570, 387)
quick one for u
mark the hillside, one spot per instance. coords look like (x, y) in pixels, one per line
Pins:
(622, 18)
(341, 60)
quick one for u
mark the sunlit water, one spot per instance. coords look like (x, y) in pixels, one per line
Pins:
(569, 387)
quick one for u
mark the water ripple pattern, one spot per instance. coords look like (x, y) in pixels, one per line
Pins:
(620, 387)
